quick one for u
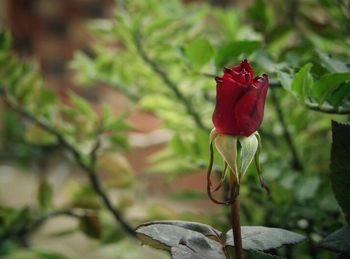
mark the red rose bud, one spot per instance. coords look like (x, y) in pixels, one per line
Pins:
(240, 100)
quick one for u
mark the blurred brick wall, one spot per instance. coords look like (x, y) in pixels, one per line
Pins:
(52, 30)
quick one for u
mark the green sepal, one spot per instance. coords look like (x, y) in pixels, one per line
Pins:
(249, 146)
(226, 145)
(257, 164)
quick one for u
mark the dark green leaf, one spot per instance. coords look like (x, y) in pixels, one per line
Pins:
(232, 51)
(339, 241)
(46, 98)
(90, 224)
(196, 247)
(204, 229)
(261, 255)
(258, 12)
(168, 234)
(340, 94)
(340, 166)
(264, 238)
(184, 252)
(328, 84)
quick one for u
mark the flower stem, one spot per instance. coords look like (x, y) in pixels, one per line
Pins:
(236, 225)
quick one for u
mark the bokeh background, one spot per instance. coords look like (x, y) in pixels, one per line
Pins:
(132, 82)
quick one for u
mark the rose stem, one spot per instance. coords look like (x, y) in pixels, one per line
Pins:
(236, 225)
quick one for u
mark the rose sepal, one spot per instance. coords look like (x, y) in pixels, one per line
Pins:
(226, 145)
(238, 163)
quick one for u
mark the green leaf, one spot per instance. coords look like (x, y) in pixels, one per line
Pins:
(285, 79)
(116, 169)
(83, 105)
(249, 146)
(308, 187)
(332, 64)
(178, 145)
(339, 241)
(327, 85)
(278, 38)
(303, 82)
(118, 141)
(167, 234)
(199, 52)
(112, 122)
(340, 166)
(45, 195)
(259, 14)
(90, 224)
(5, 40)
(107, 116)
(261, 255)
(229, 19)
(340, 94)
(201, 144)
(204, 229)
(38, 136)
(46, 98)
(264, 238)
(232, 51)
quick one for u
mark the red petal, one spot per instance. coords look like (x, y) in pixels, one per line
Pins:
(243, 73)
(249, 110)
(246, 66)
(227, 94)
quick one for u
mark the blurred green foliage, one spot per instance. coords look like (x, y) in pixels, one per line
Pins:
(163, 55)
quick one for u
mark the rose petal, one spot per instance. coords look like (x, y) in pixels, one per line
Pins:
(249, 110)
(240, 100)
(227, 94)
(242, 73)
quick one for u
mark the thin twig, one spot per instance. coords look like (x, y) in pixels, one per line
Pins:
(89, 169)
(21, 234)
(293, 11)
(329, 110)
(65, 212)
(168, 82)
(296, 162)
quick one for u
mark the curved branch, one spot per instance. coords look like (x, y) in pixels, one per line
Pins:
(168, 82)
(296, 162)
(328, 110)
(89, 169)
(40, 221)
